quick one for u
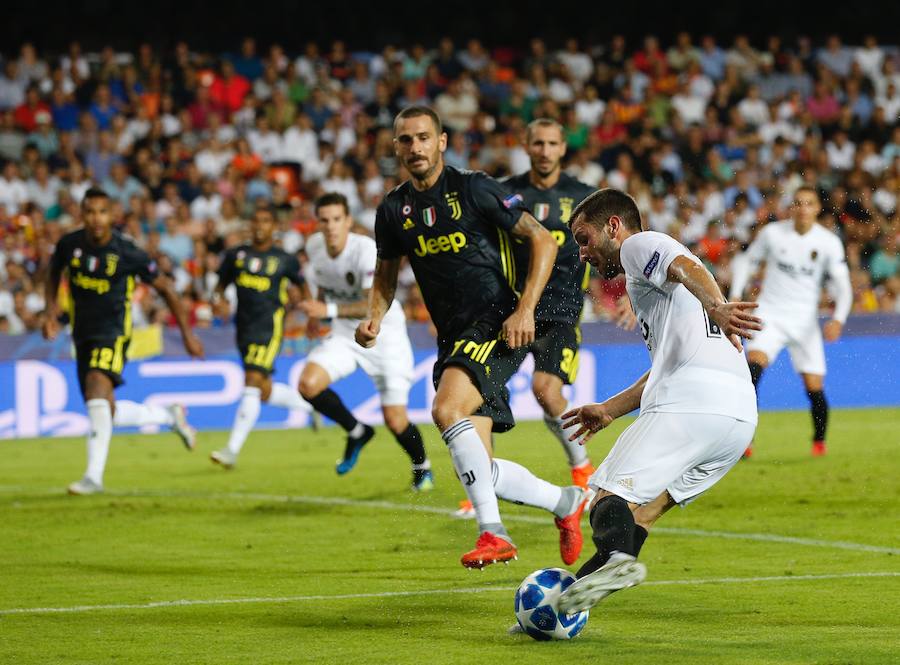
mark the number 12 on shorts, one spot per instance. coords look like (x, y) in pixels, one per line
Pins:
(256, 354)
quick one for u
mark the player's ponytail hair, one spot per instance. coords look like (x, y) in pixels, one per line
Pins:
(597, 208)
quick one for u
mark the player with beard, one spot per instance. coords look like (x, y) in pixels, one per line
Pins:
(456, 229)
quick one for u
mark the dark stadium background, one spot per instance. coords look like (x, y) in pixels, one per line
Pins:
(216, 25)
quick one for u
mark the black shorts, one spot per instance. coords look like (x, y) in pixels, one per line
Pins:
(259, 354)
(555, 349)
(101, 355)
(490, 362)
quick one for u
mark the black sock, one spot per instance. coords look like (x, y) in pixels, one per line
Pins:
(411, 441)
(819, 413)
(756, 371)
(640, 535)
(614, 531)
(329, 404)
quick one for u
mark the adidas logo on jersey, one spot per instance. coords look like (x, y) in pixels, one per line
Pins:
(408, 224)
(452, 242)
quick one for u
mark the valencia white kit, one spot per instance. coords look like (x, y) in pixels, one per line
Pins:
(797, 267)
(343, 279)
(698, 408)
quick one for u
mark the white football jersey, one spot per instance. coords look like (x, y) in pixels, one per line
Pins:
(694, 367)
(343, 279)
(796, 269)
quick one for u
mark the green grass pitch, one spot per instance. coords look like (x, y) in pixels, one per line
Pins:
(789, 559)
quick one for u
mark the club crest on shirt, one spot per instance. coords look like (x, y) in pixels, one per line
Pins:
(112, 260)
(271, 265)
(455, 207)
(541, 211)
(814, 255)
(565, 209)
(351, 278)
(429, 216)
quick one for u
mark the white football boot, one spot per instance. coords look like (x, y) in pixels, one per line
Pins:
(620, 572)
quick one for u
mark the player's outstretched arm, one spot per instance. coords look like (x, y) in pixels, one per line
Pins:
(518, 329)
(734, 318)
(191, 344)
(381, 295)
(50, 327)
(594, 417)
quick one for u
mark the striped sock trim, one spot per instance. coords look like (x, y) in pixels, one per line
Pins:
(456, 429)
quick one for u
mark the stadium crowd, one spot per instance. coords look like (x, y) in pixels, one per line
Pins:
(712, 139)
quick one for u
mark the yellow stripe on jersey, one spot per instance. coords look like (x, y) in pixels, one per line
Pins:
(586, 280)
(506, 260)
(275, 342)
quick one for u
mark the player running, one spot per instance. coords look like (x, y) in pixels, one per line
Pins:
(697, 404)
(800, 255)
(102, 265)
(265, 278)
(341, 268)
(551, 195)
(454, 226)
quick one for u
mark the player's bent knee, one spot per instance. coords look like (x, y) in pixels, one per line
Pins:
(310, 386)
(445, 414)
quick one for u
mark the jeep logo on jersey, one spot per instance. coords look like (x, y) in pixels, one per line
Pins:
(429, 216)
(455, 207)
(351, 278)
(541, 211)
(565, 209)
(254, 264)
(452, 242)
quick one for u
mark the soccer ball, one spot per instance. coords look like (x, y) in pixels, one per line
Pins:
(536, 606)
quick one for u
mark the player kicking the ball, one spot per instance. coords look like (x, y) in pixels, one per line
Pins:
(263, 275)
(452, 225)
(340, 271)
(800, 255)
(697, 403)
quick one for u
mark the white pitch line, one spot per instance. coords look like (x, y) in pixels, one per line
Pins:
(423, 592)
(410, 507)
(532, 519)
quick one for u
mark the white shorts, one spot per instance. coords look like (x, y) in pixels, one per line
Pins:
(389, 363)
(682, 453)
(804, 342)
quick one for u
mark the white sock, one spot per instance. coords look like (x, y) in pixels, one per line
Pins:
(286, 397)
(513, 482)
(575, 452)
(135, 414)
(473, 467)
(100, 418)
(244, 419)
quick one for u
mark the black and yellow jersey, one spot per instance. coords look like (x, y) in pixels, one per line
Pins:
(563, 297)
(262, 280)
(456, 237)
(101, 281)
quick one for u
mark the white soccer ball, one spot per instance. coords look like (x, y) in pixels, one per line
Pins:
(536, 606)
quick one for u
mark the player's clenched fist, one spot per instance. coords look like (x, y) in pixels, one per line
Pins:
(367, 332)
